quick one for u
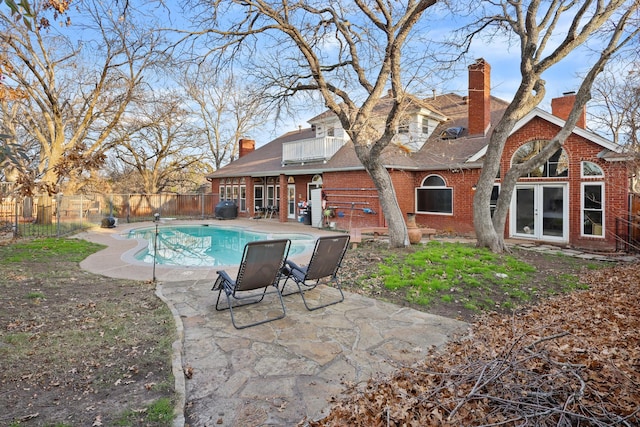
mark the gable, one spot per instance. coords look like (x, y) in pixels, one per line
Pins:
(538, 114)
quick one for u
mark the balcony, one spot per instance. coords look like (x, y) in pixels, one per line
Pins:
(310, 150)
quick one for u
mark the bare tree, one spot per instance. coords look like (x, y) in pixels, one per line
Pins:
(617, 101)
(226, 110)
(545, 38)
(160, 142)
(76, 90)
(351, 53)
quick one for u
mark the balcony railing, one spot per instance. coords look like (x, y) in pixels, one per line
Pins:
(311, 150)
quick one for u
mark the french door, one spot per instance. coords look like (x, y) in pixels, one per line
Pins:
(291, 201)
(540, 211)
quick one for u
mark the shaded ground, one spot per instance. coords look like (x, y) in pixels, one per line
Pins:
(81, 350)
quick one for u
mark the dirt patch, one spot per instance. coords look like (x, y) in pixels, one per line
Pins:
(552, 277)
(79, 349)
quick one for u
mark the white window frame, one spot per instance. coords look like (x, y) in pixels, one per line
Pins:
(602, 208)
(582, 175)
(431, 187)
(243, 198)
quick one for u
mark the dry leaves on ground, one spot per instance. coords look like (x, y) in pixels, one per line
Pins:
(571, 360)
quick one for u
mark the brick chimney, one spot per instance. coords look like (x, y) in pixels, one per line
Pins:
(246, 147)
(561, 107)
(479, 105)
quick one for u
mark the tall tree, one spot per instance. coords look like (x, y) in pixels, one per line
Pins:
(227, 110)
(78, 82)
(160, 142)
(616, 97)
(547, 33)
(351, 53)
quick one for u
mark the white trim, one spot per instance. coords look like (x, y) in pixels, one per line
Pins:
(602, 209)
(582, 175)
(595, 138)
(434, 187)
(538, 208)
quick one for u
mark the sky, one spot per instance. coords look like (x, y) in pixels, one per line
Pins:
(505, 75)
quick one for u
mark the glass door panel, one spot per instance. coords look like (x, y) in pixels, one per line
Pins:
(291, 201)
(525, 211)
(553, 211)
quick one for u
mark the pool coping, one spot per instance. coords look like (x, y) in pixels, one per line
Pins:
(117, 259)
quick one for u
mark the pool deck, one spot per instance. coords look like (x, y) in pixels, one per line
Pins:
(279, 373)
(118, 260)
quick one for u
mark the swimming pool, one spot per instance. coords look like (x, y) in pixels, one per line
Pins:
(204, 245)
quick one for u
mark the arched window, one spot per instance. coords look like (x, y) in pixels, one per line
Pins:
(591, 170)
(556, 166)
(317, 181)
(433, 196)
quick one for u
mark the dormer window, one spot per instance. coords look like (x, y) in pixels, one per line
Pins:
(331, 131)
(403, 127)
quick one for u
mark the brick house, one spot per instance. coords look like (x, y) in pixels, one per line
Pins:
(574, 199)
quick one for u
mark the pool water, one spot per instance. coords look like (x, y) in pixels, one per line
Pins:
(206, 246)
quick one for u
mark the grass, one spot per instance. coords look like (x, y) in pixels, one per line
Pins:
(159, 412)
(87, 335)
(47, 249)
(461, 273)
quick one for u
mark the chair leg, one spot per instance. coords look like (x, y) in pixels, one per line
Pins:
(310, 287)
(271, 319)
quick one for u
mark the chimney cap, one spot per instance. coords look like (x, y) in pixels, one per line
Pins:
(571, 92)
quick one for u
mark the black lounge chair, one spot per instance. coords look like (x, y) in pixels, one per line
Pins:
(261, 266)
(322, 268)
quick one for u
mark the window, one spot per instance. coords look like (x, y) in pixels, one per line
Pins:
(494, 198)
(243, 198)
(403, 127)
(331, 132)
(433, 196)
(591, 170)
(556, 166)
(425, 126)
(258, 196)
(593, 209)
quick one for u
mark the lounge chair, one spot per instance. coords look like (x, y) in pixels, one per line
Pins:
(322, 268)
(260, 268)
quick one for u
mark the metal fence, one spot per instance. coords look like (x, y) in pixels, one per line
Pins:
(60, 215)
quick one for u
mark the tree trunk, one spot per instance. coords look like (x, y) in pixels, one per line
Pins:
(398, 235)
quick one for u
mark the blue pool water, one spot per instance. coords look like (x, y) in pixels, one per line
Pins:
(206, 246)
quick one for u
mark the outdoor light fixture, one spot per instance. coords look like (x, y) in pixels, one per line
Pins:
(156, 217)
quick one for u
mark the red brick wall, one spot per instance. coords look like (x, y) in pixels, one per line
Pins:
(479, 97)
(561, 107)
(578, 149)
(350, 194)
(461, 221)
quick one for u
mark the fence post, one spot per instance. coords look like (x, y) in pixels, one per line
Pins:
(15, 219)
(58, 201)
(202, 205)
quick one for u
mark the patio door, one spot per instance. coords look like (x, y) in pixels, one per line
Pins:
(291, 201)
(540, 211)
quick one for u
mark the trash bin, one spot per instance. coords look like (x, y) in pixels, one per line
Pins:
(307, 216)
(226, 209)
(109, 222)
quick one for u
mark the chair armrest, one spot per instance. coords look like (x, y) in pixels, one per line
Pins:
(223, 280)
(293, 266)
